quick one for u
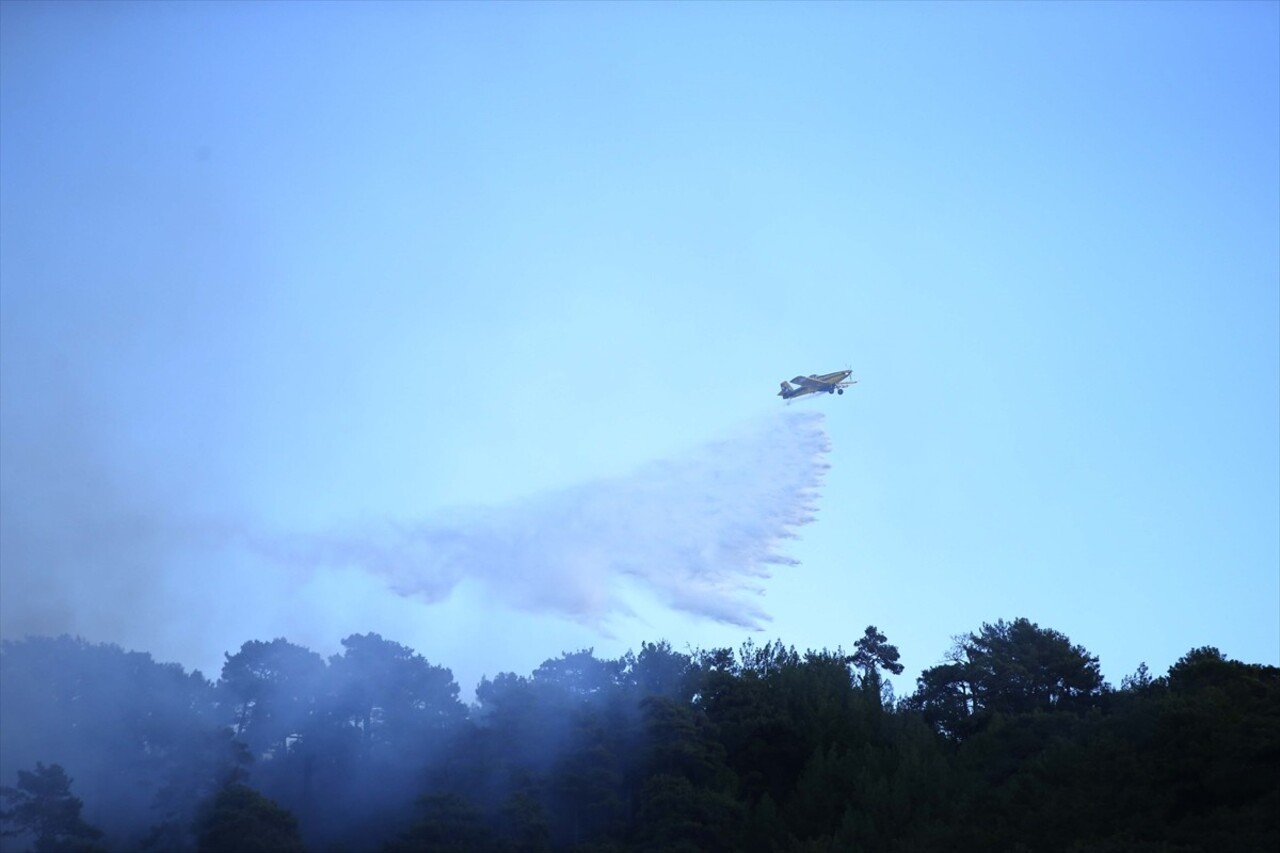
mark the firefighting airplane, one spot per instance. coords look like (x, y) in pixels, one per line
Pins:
(832, 383)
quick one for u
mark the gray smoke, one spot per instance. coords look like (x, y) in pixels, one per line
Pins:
(86, 549)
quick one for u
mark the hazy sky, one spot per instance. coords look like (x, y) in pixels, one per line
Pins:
(463, 323)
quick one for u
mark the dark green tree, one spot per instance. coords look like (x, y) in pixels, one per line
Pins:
(749, 714)
(578, 675)
(448, 824)
(278, 698)
(240, 820)
(524, 822)
(676, 815)
(586, 782)
(1007, 668)
(520, 731)
(764, 661)
(389, 715)
(271, 692)
(682, 742)
(765, 831)
(1216, 751)
(145, 738)
(1140, 680)
(873, 653)
(42, 806)
(206, 761)
(393, 697)
(659, 671)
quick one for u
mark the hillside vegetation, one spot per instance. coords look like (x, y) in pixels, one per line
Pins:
(1013, 743)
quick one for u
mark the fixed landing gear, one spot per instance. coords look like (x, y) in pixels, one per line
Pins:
(839, 390)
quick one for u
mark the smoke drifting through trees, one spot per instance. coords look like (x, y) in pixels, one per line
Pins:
(89, 550)
(701, 531)
(762, 750)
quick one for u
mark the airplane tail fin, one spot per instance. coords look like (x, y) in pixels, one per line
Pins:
(786, 390)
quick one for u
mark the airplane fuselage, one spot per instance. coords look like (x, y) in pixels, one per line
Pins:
(830, 383)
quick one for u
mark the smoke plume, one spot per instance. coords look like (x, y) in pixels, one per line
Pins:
(88, 550)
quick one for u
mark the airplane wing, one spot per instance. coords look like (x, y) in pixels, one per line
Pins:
(811, 382)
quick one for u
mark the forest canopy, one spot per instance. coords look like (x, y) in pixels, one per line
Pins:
(1014, 741)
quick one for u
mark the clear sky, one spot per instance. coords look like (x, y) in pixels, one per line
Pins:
(305, 306)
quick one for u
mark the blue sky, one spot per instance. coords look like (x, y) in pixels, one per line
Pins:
(290, 273)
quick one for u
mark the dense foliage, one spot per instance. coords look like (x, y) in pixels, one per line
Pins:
(1013, 743)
